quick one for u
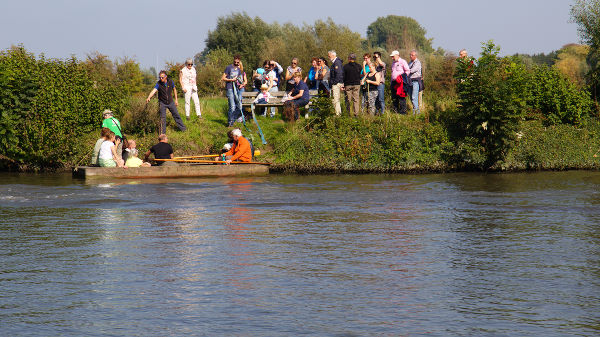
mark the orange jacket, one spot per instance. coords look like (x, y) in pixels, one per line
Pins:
(240, 150)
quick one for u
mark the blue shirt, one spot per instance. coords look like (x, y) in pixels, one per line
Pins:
(232, 72)
(301, 86)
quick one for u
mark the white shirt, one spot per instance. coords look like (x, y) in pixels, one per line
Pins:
(188, 78)
(105, 150)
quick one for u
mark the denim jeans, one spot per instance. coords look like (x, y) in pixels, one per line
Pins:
(380, 104)
(415, 97)
(273, 109)
(235, 106)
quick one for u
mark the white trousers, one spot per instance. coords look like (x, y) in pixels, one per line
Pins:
(192, 93)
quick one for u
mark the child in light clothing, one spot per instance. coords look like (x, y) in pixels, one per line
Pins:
(263, 97)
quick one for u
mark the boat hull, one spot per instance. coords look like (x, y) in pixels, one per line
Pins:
(180, 171)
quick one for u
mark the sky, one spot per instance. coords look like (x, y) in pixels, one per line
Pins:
(154, 32)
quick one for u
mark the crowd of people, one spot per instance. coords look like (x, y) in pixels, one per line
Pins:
(363, 84)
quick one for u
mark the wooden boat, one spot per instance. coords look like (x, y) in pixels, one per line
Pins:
(180, 171)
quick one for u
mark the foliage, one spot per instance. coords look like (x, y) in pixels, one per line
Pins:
(398, 32)
(555, 147)
(539, 59)
(557, 99)
(140, 117)
(586, 13)
(47, 105)
(489, 107)
(129, 75)
(209, 73)
(239, 34)
(381, 144)
(571, 61)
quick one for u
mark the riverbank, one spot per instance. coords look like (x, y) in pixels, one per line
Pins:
(387, 144)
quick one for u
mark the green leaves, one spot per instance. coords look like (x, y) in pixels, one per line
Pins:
(46, 105)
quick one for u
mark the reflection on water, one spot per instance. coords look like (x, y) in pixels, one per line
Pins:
(454, 254)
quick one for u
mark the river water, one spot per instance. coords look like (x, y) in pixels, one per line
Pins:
(339, 255)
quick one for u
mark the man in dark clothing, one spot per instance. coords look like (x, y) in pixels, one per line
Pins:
(166, 90)
(352, 84)
(336, 80)
(162, 150)
(299, 96)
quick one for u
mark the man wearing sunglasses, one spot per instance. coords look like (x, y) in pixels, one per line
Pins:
(166, 90)
(230, 77)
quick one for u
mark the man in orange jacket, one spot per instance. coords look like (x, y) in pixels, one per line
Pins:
(240, 150)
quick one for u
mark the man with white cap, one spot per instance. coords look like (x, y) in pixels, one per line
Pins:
(399, 68)
(187, 79)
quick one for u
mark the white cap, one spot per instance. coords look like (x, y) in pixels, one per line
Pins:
(227, 147)
(395, 52)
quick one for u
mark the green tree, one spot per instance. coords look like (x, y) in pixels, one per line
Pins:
(489, 106)
(130, 76)
(239, 34)
(398, 32)
(586, 13)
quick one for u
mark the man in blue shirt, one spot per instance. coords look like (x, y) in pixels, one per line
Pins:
(166, 90)
(298, 96)
(230, 76)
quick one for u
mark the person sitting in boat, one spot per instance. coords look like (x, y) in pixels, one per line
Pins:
(240, 150)
(162, 150)
(103, 134)
(133, 160)
(130, 146)
(108, 152)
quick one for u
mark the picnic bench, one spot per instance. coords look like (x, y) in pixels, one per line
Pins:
(275, 101)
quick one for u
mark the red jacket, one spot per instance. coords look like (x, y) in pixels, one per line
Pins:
(400, 87)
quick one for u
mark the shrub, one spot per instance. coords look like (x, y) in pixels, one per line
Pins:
(47, 106)
(489, 107)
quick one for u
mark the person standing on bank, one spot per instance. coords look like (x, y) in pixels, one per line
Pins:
(380, 68)
(166, 90)
(230, 77)
(187, 79)
(289, 75)
(352, 84)
(336, 80)
(399, 68)
(416, 79)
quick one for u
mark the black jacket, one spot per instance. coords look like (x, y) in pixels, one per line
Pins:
(352, 73)
(336, 72)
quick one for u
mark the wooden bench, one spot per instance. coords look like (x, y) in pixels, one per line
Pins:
(275, 101)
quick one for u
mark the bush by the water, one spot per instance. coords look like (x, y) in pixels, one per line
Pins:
(46, 106)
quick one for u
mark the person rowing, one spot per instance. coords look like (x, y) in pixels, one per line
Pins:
(240, 150)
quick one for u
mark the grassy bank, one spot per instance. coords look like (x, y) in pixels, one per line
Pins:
(390, 143)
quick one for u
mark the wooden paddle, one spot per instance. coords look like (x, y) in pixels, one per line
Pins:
(211, 161)
(201, 156)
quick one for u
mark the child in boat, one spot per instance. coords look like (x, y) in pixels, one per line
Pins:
(107, 156)
(133, 160)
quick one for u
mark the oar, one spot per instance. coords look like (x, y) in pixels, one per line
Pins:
(262, 137)
(201, 156)
(211, 161)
